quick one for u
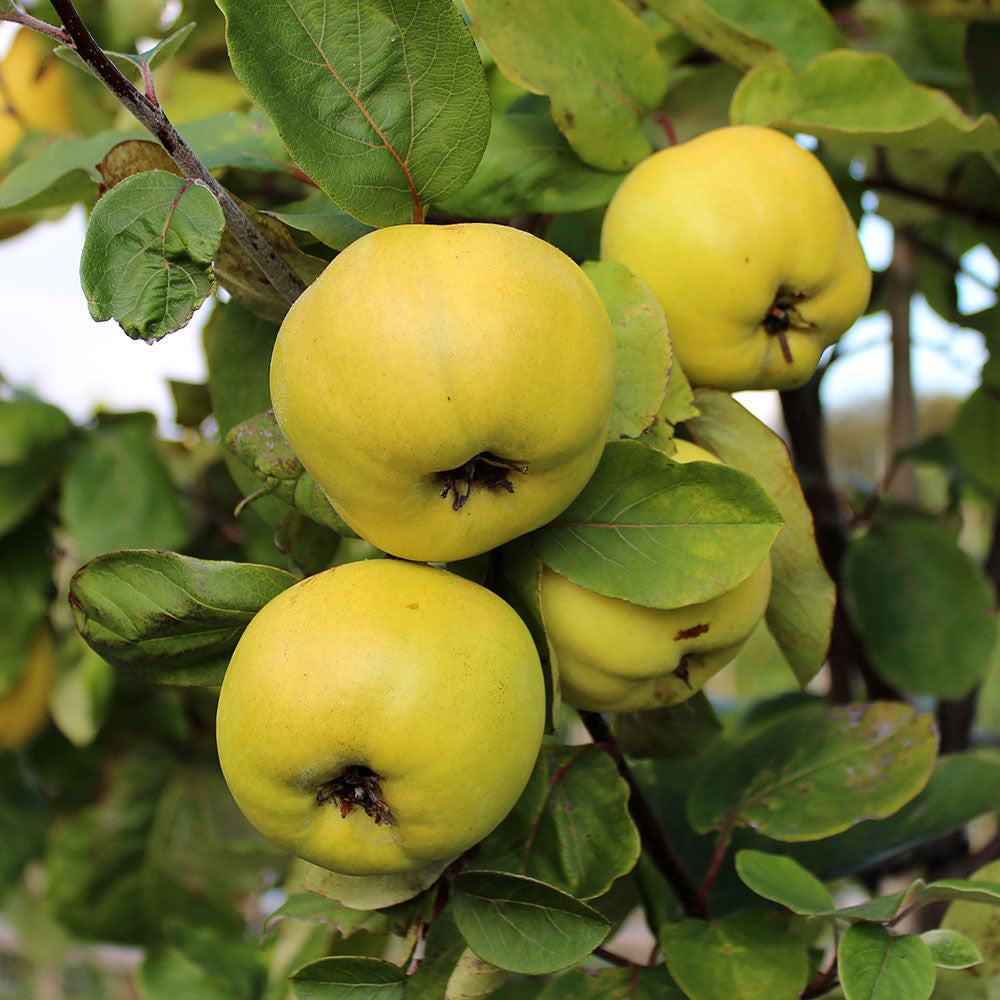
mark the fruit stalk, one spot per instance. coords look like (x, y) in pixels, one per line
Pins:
(150, 115)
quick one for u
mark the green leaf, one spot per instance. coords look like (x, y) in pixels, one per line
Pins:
(976, 433)
(874, 102)
(645, 355)
(974, 890)
(783, 880)
(752, 33)
(678, 406)
(130, 64)
(346, 978)
(523, 925)
(961, 787)
(635, 983)
(817, 773)
(259, 444)
(82, 693)
(659, 533)
(117, 493)
(324, 218)
(747, 957)
(371, 892)
(313, 908)
(33, 437)
(876, 965)
(529, 166)
(800, 612)
(448, 968)
(24, 820)
(951, 950)
(25, 590)
(595, 60)
(921, 606)
(676, 732)
(393, 89)
(147, 256)
(169, 618)
(981, 45)
(570, 828)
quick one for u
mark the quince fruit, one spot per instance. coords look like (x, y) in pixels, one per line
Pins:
(615, 656)
(381, 716)
(448, 387)
(25, 707)
(746, 242)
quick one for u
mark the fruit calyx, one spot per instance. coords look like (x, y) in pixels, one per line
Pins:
(482, 471)
(784, 316)
(356, 786)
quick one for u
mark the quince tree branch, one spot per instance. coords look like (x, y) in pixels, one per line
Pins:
(150, 115)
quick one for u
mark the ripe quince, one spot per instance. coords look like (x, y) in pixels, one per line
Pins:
(746, 242)
(25, 707)
(381, 716)
(449, 387)
(615, 656)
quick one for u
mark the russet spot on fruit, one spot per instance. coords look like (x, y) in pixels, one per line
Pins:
(746, 242)
(381, 716)
(449, 387)
(615, 656)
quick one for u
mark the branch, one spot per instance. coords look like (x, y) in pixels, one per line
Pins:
(42, 27)
(654, 839)
(150, 115)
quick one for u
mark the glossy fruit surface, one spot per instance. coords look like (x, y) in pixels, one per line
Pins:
(449, 387)
(615, 656)
(381, 716)
(746, 242)
(25, 707)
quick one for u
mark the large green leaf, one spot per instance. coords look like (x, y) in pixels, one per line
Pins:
(751, 956)
(529, 166)
(595, 60)
(382, 102)
(346, 978)
(660, 533)
(976, 433)
(571, 826)
(818, 773)
(524, 925)
(33, 438)
(751, 33)
(922, 607)
(876, 965)
(166, 617)
(864, 97)
(800, 612)
(147, 257)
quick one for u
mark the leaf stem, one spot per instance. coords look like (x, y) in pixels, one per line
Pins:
(654, 839)
(150, 115)
(718, 856)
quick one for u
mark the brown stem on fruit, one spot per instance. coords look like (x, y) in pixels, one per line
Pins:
(654, 838)
(357, 786)
(482, 471)
(783, 316)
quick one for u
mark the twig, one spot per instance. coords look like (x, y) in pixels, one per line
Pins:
(611, 958)
(654, 839)
(150, 115)
(42, 27)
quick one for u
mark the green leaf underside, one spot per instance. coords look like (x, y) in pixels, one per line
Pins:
(382, 102)
(524, 925)
(800, 611)
(595, 60)
(951, 950)
(148, 253)
(570, 828)
(528, 166)
(169, 618)
(794, 781)
(644, 350)
(371, 892)
(923, 608)
(343, 976)
(658, 533)
(751, 956)
(875, 102)
(750, 33)
(876, 965)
